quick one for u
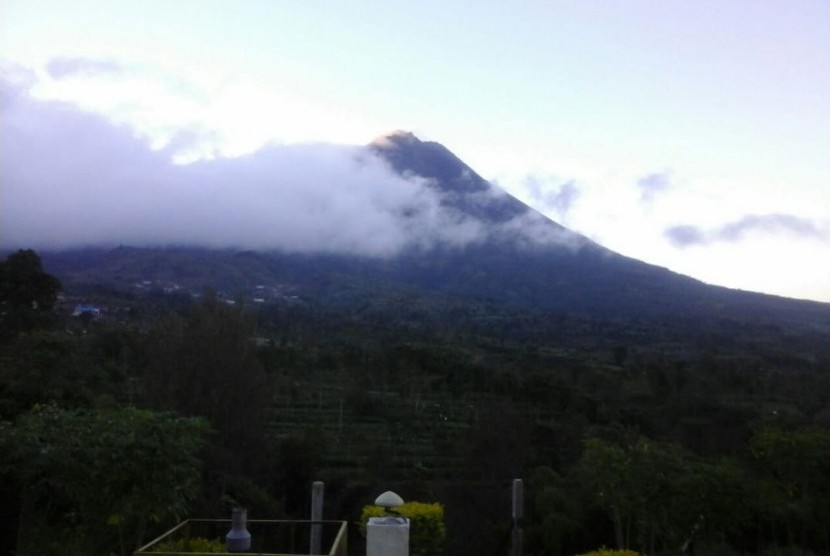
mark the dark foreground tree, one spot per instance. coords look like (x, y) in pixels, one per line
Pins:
(793, 481)
(27, 293)
(658, 497)
(204, 364)
(93, 481)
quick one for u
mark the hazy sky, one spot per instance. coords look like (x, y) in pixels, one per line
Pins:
(693, 135)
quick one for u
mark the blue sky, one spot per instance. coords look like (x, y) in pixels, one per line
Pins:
(693, 135)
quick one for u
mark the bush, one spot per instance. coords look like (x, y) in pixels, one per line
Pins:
(610, 552)
(787, 551)
(427, 530)
(196, 544)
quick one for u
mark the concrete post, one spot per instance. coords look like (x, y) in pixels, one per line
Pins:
(387, 536)
(317, 491)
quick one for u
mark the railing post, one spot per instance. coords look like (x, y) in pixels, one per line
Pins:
(317, 492)
(518, 515)
(186, 536)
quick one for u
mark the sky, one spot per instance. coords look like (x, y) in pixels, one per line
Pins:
(691, 135)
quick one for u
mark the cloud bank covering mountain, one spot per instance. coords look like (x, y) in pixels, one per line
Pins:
(72, 178)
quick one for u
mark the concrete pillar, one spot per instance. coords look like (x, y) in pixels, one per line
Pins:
(317, 489)
(387, 536)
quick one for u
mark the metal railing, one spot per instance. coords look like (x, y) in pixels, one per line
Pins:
(269, 537)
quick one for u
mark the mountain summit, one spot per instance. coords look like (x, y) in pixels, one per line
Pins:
(461, 187)
(409, 155)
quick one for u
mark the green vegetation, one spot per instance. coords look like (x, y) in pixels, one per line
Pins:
(27, 294)
(81, 472)
(647, 434)
(196, 544)
(610, 552)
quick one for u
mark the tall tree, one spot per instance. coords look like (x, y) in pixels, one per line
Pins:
(794, 484)
(92, 481)
(27, 293)
(205, 364)
(653, 493)
(43, 366)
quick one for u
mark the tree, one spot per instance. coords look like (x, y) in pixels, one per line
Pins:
(606, 469)
(554, 512)
(204, 364)
(27, 293)
(651, 491)
(43, 366)
(93, 480)
(794, 484)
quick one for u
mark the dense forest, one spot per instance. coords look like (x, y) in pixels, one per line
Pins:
(660, 434)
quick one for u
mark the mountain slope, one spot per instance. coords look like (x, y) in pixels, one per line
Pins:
(583, 277)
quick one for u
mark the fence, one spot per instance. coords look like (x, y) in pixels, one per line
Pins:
(269, 537)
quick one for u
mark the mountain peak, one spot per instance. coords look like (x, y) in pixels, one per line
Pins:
(394, 139)
(408, 155)
(461, 188)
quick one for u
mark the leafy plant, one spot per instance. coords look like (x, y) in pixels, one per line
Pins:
(610, 552)
(104, 468)
(195, 544)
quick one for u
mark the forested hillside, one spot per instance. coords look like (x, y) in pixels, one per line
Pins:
(650, 432)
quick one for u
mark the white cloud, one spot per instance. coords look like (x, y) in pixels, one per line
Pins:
(71, 178)
(226, 116)
(752, 236)
(60, 68)
(739, 230)
(654, 184)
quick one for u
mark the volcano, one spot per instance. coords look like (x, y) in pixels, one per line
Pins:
(523, 260)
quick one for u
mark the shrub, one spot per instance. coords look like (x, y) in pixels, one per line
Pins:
(427, 530)
(610, 552)
(196, 544)
(787, 551)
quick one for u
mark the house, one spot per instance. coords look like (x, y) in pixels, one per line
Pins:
(84, 309)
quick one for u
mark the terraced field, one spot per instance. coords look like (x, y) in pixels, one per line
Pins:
(420, 438)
